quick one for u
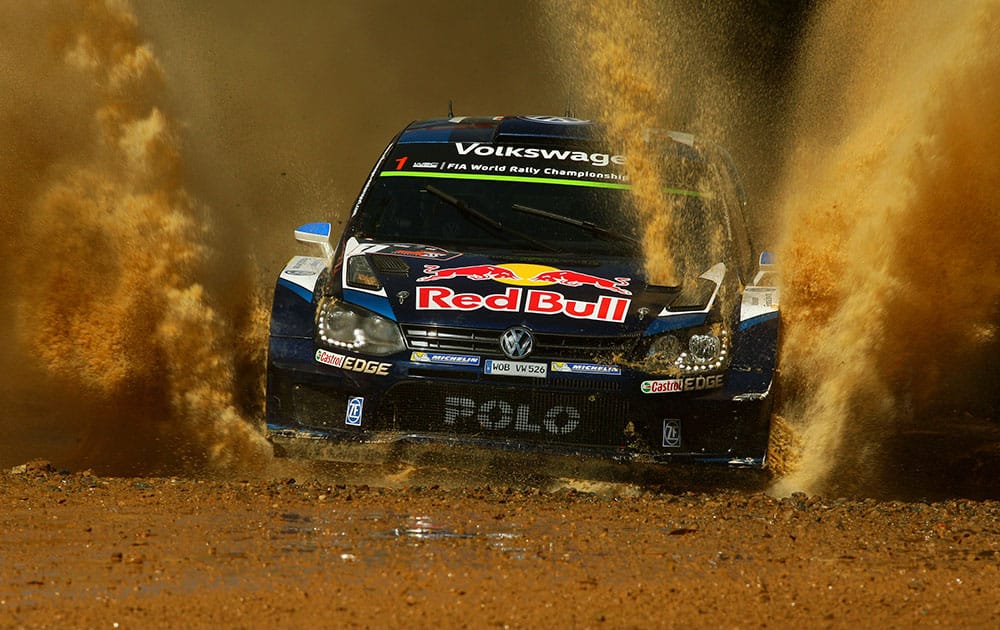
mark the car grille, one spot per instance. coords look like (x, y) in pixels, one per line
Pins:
(522, 413)
(486, 342)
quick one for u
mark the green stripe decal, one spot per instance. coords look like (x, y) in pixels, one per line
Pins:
(506, 178)
(528, 180)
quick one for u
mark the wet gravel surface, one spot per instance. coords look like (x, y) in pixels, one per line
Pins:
(80, 550)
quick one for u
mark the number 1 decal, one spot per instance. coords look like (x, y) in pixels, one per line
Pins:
(400, 162)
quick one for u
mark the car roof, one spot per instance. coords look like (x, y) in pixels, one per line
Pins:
(499, 129)
(559, 130)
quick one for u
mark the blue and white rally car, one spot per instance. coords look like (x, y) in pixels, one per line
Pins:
(489, 291)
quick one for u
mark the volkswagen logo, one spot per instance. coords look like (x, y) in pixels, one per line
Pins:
(516, 342)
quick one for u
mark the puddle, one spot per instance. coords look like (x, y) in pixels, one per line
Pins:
(422, 528)
(355, 537)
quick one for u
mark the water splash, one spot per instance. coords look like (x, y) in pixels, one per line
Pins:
(112, 252)
(891, 274)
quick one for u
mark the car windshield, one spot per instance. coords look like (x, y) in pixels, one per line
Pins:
(479, 204)
(400, 209)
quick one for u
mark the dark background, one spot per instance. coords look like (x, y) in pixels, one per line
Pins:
(285, 106)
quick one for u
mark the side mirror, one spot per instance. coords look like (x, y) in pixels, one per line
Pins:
(317, 233)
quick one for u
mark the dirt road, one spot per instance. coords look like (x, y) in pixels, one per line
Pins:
(81, 550)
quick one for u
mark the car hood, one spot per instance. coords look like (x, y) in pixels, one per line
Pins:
(416, 284)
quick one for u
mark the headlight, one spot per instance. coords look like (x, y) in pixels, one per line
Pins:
(691, 351)
(704, 348)
(340, 326)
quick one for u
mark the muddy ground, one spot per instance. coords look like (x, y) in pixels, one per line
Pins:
(310, 546)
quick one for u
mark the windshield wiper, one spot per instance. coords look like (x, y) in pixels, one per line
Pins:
(469, 211)
(593, 228)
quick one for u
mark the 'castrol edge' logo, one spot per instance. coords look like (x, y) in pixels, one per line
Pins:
(515, 299)
(691, 383)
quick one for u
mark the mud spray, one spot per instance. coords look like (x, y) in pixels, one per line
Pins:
(117, 335)
(617, 51)
(132, 336)
(628, 61)
(890, 252)
(887, 206)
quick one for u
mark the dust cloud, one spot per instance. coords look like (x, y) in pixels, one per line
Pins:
(147, 196)
(891, 276)
(115, 340)
(157, 157)
(714, 69)
(619, 51)
(886, 201)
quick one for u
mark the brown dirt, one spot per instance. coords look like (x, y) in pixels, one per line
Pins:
(81, 550)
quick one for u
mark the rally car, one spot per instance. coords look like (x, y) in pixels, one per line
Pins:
(489, 291)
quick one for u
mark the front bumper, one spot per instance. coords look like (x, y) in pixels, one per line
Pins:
(322, 411)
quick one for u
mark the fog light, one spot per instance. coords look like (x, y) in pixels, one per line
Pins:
(666, 348)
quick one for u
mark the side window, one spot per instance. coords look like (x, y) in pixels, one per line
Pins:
(733, 198)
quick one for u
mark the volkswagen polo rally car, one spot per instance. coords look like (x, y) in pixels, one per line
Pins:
(489, 290)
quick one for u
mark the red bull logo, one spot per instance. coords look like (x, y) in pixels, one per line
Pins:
(576, 279)
(474, 272)
(522, 274)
